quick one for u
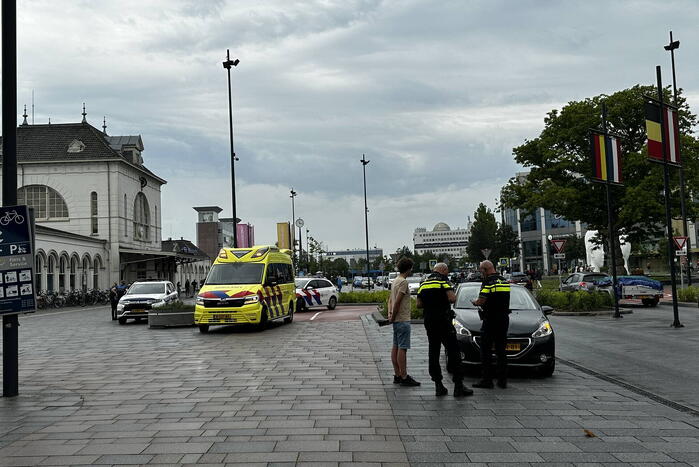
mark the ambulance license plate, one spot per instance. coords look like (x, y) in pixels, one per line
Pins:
(220, 317)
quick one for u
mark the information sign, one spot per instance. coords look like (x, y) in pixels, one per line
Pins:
(680, 252)
(559, 256)
(433, 263)
(17, 293)
(504, 262)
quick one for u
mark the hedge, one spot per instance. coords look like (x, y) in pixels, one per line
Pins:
(574, 301)
(379, 296)
(688, 294)
(415, 312)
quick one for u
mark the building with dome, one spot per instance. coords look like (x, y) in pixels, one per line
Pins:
(442, 239)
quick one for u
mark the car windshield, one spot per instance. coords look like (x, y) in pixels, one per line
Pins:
(301, 283)
(235, 273)
(520, 298)
(145, 288)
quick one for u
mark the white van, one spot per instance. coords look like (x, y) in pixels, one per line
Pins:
(391, 277)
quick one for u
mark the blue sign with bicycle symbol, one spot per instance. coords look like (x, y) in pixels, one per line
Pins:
(16, 261)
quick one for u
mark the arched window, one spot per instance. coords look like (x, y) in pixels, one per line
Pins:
(48, 204)
(126, 217)
(50, 272)
(141, 218)
(93, 211)
(73, 271)
(38, 270)
(95, 273)
(86, 268)
(62, 266)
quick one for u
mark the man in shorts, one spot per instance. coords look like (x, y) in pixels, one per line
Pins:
(399, 305)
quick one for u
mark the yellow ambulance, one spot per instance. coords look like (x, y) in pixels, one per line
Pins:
(247, 286)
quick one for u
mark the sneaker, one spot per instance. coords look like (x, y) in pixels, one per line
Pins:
(409, 381)
(396, 379)
(484, 384)
(461, 391)
(440, 390)
(502, 383)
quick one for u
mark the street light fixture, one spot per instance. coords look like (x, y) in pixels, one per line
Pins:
(364, 162)
(228, 64)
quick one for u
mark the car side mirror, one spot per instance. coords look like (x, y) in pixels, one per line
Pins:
(547, 310)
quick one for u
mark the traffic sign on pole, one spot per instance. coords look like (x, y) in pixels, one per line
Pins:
(558, 244)
(559, 256)
(680, 242)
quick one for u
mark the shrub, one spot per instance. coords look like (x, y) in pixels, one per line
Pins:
(574, 301)
(378, 296)
(415, 312)
(688, 294)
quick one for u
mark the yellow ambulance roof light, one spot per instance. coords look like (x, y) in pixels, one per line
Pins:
(222, 254)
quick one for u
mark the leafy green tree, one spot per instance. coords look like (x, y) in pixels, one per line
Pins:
(560, 167)
(483, 234)
(506, 242)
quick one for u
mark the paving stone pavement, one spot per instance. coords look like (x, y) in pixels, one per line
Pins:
(534, 421)
(96, 393)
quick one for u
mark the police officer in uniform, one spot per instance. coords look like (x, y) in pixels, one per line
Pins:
(435, 297)
(494, 299)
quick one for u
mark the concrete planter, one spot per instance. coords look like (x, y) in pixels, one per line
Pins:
(170, 317)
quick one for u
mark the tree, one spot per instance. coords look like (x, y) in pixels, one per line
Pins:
(575, 248)
(483, 233)
(506, 242)
(559, 164)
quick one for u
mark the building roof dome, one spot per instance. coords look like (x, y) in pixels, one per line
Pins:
(441, 227)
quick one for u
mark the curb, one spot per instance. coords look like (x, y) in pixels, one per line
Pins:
(358, 304)
(623, 311)
(678, 303)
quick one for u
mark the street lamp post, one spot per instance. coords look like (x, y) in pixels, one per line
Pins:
(293, 222)
(671, 48)
(364, 162)
(228, 64)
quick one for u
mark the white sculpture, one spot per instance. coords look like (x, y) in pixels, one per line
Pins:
(595, 253)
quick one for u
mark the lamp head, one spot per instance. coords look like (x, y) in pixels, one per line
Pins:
(672, 45)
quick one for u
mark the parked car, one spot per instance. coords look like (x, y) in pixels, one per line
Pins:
(142, 297)
(582, 281)
(414, 284)
(521, 279)
(530, 337)
(391, 277)
(474, 277)
(314, 292)
(367, 282)
(357, 282)
(344, 280)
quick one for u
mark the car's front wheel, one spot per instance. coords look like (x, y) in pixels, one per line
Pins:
(122, 320)
(332, 303)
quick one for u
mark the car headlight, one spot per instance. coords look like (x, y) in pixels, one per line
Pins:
(544, 330)
(460, 328)
(250, 299)
(200, 301)
(120, 307)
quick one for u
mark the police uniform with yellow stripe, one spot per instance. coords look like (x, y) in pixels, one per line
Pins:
(437, 316)
(496, 320)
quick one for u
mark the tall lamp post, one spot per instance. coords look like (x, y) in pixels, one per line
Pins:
(228, 64)
(671, 48)
(364, 162)
(293, 222)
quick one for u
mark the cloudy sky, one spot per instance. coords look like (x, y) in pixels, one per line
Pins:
(435, 93)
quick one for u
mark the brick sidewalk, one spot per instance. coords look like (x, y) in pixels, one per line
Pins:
(95, 393)
(534, 421)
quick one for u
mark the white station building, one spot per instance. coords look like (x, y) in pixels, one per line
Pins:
(442, 240)
(96, 206)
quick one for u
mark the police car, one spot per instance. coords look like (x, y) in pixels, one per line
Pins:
(315, 292)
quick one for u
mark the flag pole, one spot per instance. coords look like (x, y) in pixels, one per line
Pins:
(668, 218)
(610, 223)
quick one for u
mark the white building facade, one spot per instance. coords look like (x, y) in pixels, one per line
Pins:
(441, 240)
(97, 208)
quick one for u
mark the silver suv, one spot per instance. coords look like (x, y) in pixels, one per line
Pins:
(142, 297)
